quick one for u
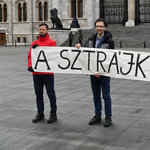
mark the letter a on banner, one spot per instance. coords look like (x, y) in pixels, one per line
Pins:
(42, 60)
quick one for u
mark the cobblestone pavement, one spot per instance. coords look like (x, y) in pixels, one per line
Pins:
(130, 128)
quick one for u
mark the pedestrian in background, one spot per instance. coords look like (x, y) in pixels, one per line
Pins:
(80, 37)
(41, 79)
(70, 39)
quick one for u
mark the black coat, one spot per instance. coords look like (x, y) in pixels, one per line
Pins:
(107, 43)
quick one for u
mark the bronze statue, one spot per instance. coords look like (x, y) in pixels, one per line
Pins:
(55, 20)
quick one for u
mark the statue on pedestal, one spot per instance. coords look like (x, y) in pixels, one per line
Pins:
(55, 20)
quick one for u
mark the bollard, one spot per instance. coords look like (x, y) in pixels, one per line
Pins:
(15, 43)
(6, 44)
(120, 44)
(144, 44)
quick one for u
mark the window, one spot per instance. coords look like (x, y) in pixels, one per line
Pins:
(24, 12)
(18, 39)
(0, 13)
(24, 39)
(79, 8)
(40, 12)
(19, 12)
(5, 12)
(45, 11)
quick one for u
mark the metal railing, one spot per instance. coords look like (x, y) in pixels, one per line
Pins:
(143, 44)
(15, 43)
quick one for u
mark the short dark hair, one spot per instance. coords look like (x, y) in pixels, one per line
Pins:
(44, 24)
(99, 20)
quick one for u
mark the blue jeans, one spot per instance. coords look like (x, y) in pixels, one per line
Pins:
(39, 82)
(98, 85)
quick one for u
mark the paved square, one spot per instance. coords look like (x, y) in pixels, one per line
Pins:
(130, 102)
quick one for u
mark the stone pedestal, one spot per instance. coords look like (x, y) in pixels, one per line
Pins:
(60, 36)
(130, 23)
(131, 13)
(75, 29)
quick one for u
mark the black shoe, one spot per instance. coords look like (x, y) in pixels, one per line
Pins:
(95, 119)
(107, 122)
(39, 117)
(52, 118)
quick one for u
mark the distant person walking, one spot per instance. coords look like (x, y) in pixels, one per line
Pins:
(80, 37)
(70, 39)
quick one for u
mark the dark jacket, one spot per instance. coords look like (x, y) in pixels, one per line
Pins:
(107, 43)
(80, 37)
(71, 36)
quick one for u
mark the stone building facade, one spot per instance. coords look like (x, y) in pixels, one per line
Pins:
(19, 19)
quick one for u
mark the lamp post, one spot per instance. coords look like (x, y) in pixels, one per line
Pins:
(74, 23)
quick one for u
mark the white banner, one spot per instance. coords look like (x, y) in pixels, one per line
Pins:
(113, 63)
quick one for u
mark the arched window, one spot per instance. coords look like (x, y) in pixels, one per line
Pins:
(19, 12)
(45, 11)
(40, 12)
(5, 12)
(80, 8)
(0, 13)
(24, 12)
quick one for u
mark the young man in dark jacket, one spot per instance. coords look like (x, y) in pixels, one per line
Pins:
(40, 79)
(102, 39)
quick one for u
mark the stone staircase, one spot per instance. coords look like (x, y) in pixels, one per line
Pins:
(126, 37)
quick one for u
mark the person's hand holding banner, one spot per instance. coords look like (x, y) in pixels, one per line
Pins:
(35, 45)
(78, 46)
(30, 69)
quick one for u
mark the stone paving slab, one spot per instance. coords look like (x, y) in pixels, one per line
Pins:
(130, 128)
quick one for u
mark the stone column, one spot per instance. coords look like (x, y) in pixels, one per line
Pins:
(131, 13)
(30, 21)
(34, 11)
(10, 30)
(90, 14)
(55, 4)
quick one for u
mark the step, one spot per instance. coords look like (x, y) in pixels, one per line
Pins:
(129, 36)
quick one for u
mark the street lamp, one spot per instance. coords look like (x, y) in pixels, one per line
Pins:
(74, 23)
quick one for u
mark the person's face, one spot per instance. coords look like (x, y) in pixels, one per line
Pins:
(42, 30)
(100, 27)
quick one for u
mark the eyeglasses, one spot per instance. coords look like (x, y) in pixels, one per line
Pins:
(100, 26)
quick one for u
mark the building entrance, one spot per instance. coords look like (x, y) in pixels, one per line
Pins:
(2, 39)
(114, 11)
(144, 11)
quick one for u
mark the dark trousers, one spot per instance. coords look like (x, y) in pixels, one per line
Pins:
(39, 82)
(98, 85)
(80, 41)
(70, 43)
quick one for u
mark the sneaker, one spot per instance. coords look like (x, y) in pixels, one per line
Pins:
(39, 117)
(107, 122)
(96, 119)
(52, 118)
